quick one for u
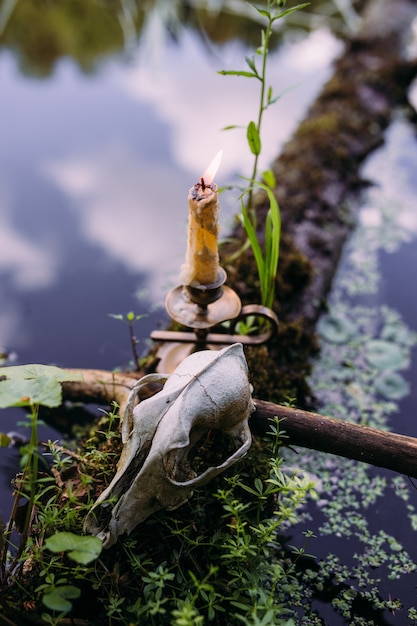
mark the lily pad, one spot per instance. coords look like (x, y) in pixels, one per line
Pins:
(385, 355)
(22, 385)
(392, 386)
(397, 334)
(336, 329)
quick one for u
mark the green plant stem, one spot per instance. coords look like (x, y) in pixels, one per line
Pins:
(30, 474)
(6, 537)
(262, 108)
(134, 342)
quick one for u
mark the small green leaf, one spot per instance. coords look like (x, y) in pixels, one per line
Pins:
(271, 99)
(269, 178)
(59, 598)
(22, 385)
(231, 127)
(116, 316)
(298, 7)
(269, 96)
(82, 549)
(263, 12)
(397, 333)
(249, 490)
(258, 485)
(61, 542)
(89, 551)
(5, 440)
(253, 138)
(251, 62)
(238, 73)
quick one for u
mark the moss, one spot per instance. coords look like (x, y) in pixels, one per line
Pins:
(294, 273)
(278, 371)
(326, 122)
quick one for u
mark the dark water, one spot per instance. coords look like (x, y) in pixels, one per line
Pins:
(95, 170)
(102, 132)
(98, 150)
(360, 506)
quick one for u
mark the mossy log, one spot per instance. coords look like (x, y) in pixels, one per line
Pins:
(318, 181)
(318, 170)
(317, 173)
(300, 428)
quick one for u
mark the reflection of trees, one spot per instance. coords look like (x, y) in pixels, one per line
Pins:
(40, 32)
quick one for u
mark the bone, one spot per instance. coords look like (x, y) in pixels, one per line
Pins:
(209, 390)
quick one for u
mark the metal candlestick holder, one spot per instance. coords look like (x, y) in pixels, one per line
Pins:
(201, 308)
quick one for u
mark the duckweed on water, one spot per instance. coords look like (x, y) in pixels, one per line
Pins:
(365, 519)
(336, 329)
(385, 355)
(392, 386)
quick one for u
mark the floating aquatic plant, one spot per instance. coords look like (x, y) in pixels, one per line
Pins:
(336, 329)
(356, 378)
(385, 355)
(392, 386)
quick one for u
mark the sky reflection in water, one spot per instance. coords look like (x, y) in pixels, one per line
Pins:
(94, 177)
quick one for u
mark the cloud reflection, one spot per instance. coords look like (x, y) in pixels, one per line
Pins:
(197, 104)
(28, 264)
(10, 326)
(133, 209)
(393, 168)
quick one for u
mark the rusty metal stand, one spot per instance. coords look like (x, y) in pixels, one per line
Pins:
(201, 308)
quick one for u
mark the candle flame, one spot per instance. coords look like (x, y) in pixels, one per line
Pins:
(211, 171)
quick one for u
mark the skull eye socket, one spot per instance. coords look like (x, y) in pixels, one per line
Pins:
(149, 390)
(208, 449)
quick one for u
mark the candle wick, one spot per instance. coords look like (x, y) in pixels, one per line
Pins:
(203, 184)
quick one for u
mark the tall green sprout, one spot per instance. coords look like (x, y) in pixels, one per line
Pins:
(267, 258)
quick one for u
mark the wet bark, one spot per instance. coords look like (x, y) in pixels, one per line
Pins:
(328, 434)
(300, 428)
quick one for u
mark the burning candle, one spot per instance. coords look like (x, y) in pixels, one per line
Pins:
(202, 261)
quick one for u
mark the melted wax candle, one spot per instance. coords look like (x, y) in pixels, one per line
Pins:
(202, 261)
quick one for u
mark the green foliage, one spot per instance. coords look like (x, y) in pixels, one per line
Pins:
(5, 440)
(57, 595)
(81, 549)
(53, 544)
(26, 385)
(266, 260)
(217, 559)
(221, 557)
(84, 30)
(130, 319)
(254, 140)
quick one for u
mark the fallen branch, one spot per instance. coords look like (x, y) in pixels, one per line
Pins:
(302, 428)
(328, 434)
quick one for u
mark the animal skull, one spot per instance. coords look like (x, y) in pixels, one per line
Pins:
(209, 390)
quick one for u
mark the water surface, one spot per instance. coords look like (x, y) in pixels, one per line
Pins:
(104, 131)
